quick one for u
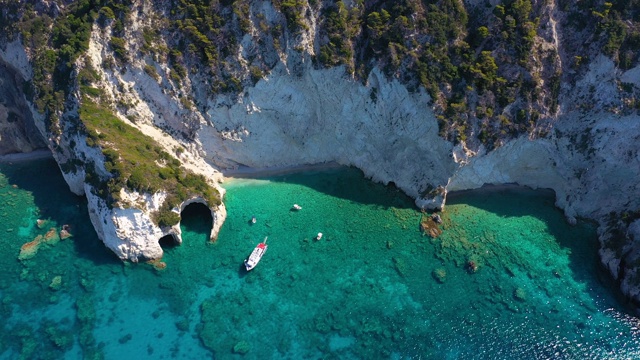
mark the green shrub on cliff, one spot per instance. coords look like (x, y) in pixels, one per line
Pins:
(293, 11)
(341, 26)
(55, 44)
(136, 162)
(441, 45)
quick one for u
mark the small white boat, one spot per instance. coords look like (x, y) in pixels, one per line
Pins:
(296, 207)
(319, 236)
(256, 255)
(253, 220)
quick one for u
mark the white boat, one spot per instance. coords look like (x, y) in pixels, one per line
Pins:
(296, 207)
(256, 255)
(319, 236)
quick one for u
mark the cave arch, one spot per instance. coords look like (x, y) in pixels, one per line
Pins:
(196, 217)
(168, 241)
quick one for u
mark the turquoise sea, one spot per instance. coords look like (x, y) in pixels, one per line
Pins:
(374, 286)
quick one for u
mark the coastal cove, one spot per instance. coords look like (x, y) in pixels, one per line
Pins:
(177, 135)
(373, 287)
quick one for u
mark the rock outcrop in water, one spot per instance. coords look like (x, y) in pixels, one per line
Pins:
(583, 145)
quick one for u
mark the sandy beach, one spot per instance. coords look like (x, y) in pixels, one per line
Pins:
(33, 155)
(249, 172)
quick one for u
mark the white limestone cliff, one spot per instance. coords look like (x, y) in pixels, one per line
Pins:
(130, 232)
(380, 127)
(324, 116)
(14, 54)
(301, 115)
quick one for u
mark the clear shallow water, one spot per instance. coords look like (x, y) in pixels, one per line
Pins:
(373, 287)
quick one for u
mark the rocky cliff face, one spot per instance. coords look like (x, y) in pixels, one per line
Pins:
(583, 144)
(18, 132)
(128, 229)
(323, 116)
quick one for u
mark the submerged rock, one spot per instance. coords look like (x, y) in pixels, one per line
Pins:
(401, 266)
(41, 223)
(56, 283)
(472, 266)
(61, 338)
(51, 237)
(519, 294)
(64, 234)
(440, 274)
(30, 249)
(157, 264)
(430, 227)
(242, 347)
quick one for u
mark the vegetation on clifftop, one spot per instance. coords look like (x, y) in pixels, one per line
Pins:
(134, 160)
(55, 42)
(493, 69)
(487, 68)
(137, 163)
(475, 62)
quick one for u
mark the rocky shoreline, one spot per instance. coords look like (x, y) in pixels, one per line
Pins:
(300, 114)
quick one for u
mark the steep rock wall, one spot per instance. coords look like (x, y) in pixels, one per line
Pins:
(297, 114)
(324, 116)
(18, 132)
(301, 115)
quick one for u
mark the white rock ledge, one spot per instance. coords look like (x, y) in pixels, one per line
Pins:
(130, 232)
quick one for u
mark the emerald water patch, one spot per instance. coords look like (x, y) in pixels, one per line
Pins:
(506, 278)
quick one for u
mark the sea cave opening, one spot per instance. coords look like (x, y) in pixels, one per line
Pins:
(196, 220)
(168, 242)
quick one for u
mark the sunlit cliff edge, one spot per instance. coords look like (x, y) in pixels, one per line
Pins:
(295, 109)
